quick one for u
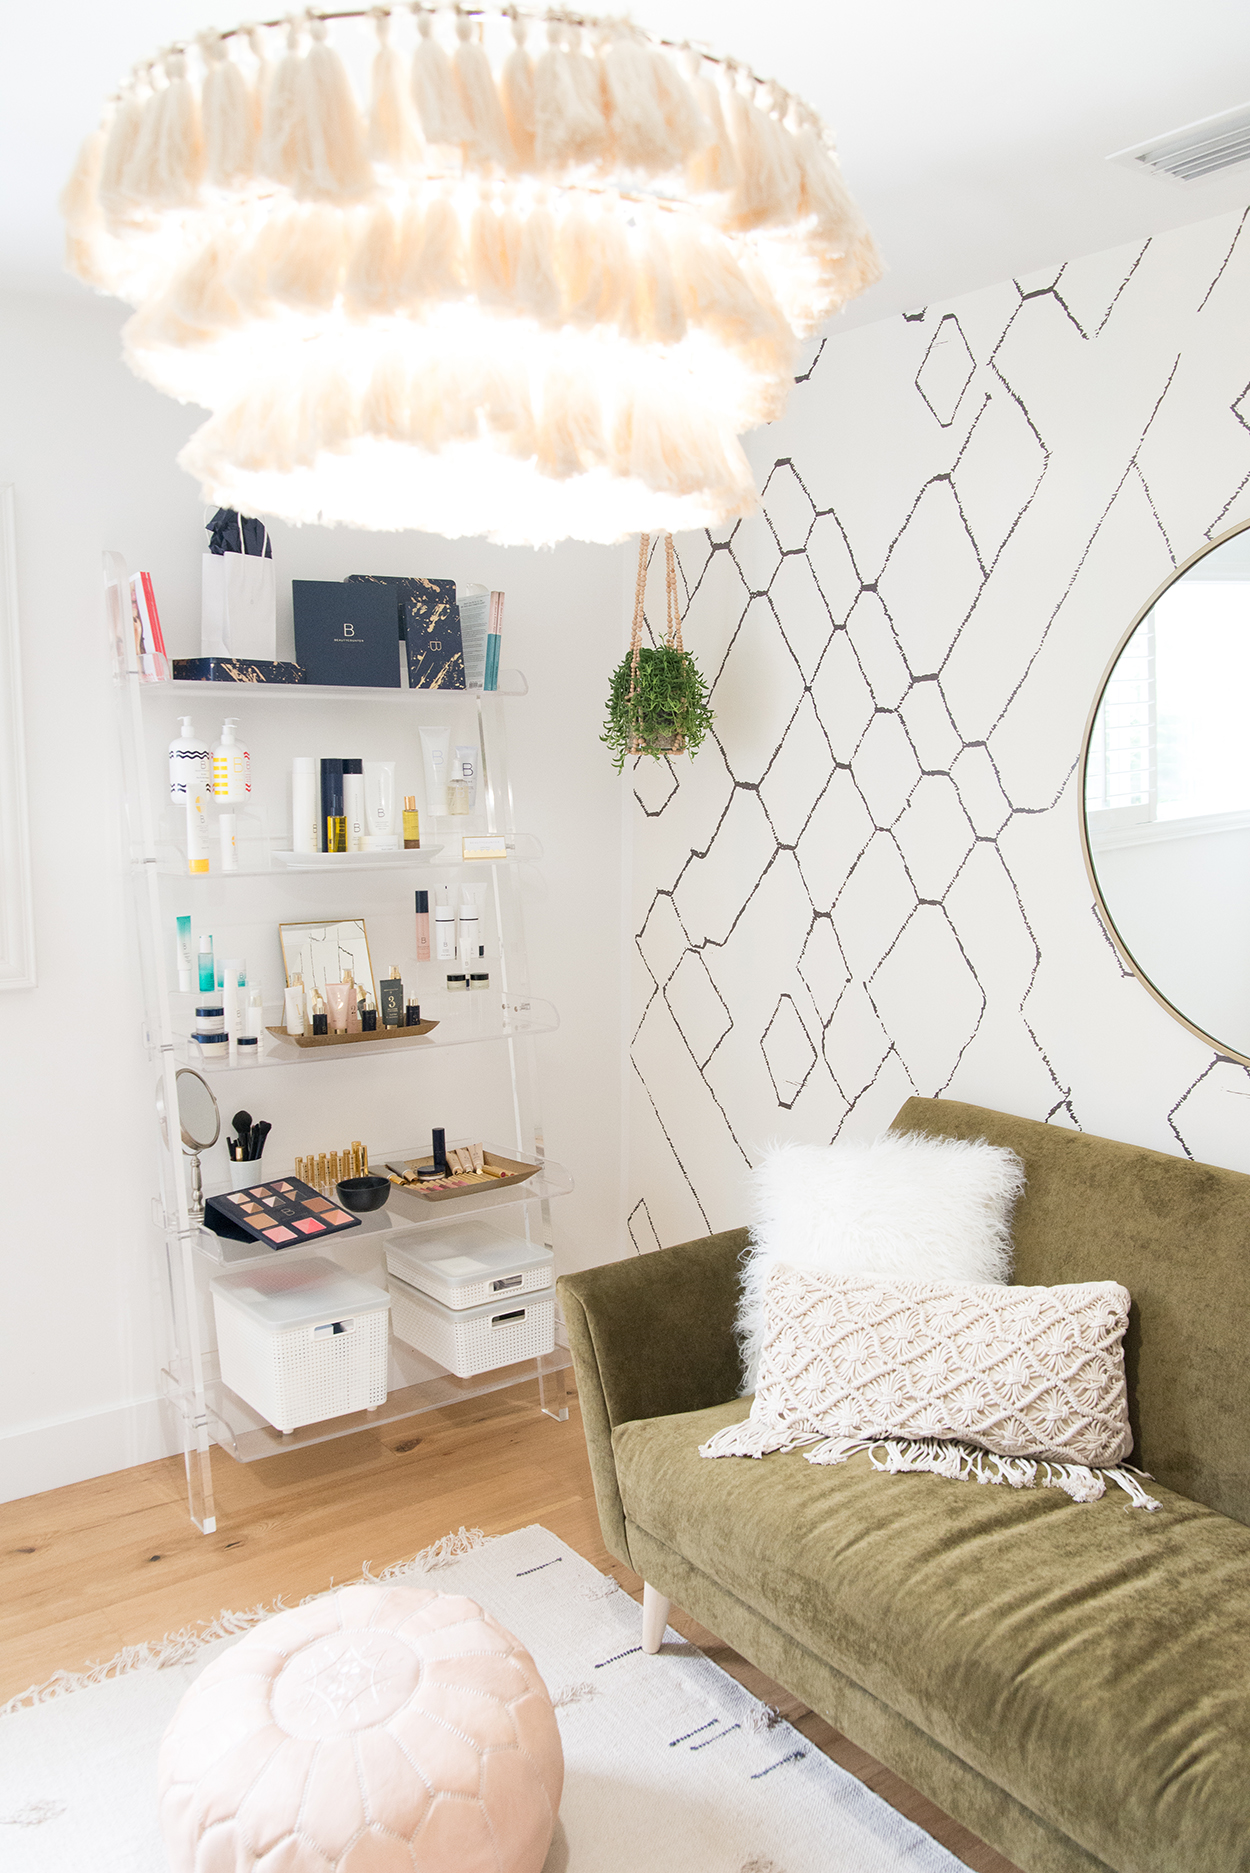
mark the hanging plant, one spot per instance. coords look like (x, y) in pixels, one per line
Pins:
(657, 702)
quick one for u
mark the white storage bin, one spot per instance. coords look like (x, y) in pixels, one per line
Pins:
(302, 1341)
(468, 1264)
(469, 1340)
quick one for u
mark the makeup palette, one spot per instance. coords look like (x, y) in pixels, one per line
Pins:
(279, 1214)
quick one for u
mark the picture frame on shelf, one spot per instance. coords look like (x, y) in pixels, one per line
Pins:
(319, 952)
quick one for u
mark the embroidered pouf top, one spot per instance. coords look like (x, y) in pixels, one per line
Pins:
(387, 1728)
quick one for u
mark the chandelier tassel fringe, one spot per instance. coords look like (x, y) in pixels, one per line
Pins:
(280, 156)
(80, 208)
(488, 140)
(640, 136)
(494, 245)
(517, 87)
(537, 284)
(689, 130)
(393, 137)
(434, 89)
(769, 179)
(123, 139)
(335, 166)
(569, 127)
(228, 114)
(372, 283)
(712, 170)
(168, 162)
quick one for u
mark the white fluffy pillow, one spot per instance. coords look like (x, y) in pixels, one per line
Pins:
(932, 1209)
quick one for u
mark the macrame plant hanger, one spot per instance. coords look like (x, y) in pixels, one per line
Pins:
(672, 635)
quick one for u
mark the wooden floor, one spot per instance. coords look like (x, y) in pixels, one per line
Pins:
(108, 1563)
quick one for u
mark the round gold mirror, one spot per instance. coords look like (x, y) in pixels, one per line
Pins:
(1165, 820)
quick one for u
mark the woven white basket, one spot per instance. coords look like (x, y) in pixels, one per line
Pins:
(474, 1339)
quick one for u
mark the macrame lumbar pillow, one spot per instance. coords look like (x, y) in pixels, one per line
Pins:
(937, 1209)
(966, 1380)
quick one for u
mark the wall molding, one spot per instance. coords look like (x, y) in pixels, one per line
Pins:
(17, 916)
(73, 1449)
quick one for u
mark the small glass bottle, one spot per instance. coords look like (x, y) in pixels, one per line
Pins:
(412, 823)
(459, 790)
(368, 1016)
(319, 1023)
(412, 1015)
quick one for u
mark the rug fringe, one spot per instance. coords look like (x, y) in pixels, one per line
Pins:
(181, 1647)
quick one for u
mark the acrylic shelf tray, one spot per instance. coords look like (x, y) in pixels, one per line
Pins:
(522, 848)
(511, 683)
(455, 1029)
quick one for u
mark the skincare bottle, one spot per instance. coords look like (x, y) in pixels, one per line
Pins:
(197, 831)
(333, 824)
(412, 1015)
(207, 973)
(232, 972)
(380, 805)
(412, 823)
(293, 1007)
(304, 816)
(466, 755)
(337, 994)
(369, 1018)
(468, 931)
(354, 804)
(255, 1011)
(434, 754)
(232, 764)
(229, 847)
(457, 983)
(353, 1002)
(444, 928)
(458, 792)
(319, 1021)
(438, 1140)
(184, 953)
(392, 999)
(423, 926)
(189, 760)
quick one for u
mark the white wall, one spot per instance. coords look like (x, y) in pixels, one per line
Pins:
(872, 883)
(90, 451)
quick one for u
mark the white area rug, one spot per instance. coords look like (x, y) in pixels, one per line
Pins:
(669, 1765)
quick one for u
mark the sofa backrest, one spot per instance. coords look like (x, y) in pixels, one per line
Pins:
(1177, 1235)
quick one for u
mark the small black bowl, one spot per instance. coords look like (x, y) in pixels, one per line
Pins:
(364, 1193)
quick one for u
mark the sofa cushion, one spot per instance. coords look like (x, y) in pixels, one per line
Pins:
(1093, 1661)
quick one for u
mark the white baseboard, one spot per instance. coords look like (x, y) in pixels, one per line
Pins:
(70, 1450)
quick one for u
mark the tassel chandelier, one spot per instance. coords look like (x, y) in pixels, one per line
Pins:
(535, 288)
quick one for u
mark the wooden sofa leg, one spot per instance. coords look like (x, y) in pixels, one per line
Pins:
(654, 1617)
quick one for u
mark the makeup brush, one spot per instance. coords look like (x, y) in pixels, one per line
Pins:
(242, 1122)
(260, 1131)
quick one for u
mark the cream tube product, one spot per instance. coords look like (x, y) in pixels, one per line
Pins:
(184, 953)
(293, 1007)
(337, 996)
(354, 804)
(379, 800)
(228, 989)
(466, 755)
(423, 926)
(305, 813)
(444, 928)
(197, 829)
(434, 747)
(468, 930)
(229, 844)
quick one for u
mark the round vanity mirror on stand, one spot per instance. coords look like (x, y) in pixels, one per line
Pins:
(1165, 819)
(199, 1123)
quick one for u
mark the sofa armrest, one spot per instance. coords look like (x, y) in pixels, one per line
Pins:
(651, 1336)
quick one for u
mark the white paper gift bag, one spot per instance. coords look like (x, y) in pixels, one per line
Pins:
(239, 616)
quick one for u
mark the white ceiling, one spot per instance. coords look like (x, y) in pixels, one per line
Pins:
(974, 132)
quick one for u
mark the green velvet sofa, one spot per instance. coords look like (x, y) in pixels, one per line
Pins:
(1070, 1680)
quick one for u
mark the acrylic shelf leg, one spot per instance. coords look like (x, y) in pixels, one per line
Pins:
(553, 1392)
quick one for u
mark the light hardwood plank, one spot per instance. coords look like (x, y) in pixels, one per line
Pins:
(115, 1561)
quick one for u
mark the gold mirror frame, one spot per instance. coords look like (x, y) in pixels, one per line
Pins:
(366, 983)
(1220, 1047)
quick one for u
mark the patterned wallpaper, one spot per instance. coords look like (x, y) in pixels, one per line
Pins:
(870, 883)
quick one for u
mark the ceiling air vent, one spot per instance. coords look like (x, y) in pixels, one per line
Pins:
(1196, 150)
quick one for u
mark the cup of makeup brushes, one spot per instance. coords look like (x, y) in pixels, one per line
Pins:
(245, 1171)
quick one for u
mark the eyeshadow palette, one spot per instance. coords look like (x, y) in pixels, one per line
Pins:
(279, 1214)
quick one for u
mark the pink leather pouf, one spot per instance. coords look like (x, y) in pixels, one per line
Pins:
(382, 1729)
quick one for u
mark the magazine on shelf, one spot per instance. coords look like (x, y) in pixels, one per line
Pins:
(150, 653)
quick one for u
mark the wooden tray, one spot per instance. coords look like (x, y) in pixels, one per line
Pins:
(345, 1040)
(459, 1183)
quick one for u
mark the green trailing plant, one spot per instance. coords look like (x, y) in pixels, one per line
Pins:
(660, 709)
(657, 702)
